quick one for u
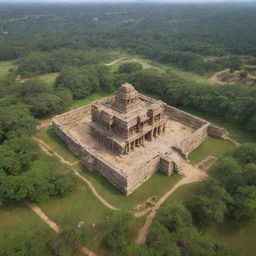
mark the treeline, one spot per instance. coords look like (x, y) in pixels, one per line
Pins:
(232, 102)
(177, 34)
(36, 63)
(190, 61)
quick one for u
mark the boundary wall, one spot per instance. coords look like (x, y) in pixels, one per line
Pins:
(117, 177)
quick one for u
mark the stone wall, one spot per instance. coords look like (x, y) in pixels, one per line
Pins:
(184, 117)
(194, 140)
(142, 173)
(91, 159)
(195, 122)
(216, 131)
(73, 115)
(117, 177)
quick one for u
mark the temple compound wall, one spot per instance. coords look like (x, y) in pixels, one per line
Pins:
(126, 131)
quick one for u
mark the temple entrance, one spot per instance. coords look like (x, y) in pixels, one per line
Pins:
(148, 136)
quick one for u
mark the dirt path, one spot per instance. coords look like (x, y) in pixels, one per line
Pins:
(215, 77)
(192, 174)
(51, 223)
(42, 215)
(44, 124)
(234, 142)
(116, 61)
(48, 150)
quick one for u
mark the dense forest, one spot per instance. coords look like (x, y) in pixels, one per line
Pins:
(75, 42)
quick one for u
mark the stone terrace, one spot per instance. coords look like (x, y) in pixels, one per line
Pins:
(174, 133)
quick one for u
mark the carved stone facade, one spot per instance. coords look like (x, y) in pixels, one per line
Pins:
(125, 123)
(128, 137)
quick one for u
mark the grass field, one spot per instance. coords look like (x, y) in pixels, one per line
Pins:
(58, 145)
(4, 68)
(48, 78)
(211, 146)
(147, 64)
(18, 222)
(156, 186)
(94, 96)
(79, 206)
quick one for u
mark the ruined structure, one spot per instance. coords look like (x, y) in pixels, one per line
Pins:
(128, 121)
(128, 137)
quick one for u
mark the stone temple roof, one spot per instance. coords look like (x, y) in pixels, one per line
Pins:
(126, 88)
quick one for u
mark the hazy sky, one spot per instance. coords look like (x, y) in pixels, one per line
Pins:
(119, 1)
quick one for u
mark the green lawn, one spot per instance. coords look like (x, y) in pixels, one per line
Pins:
(48, 78)
(53, 140)
(79, 206)
(94, 96)
(4, 68)
(211, 146)
(17, 222)
(156, 186)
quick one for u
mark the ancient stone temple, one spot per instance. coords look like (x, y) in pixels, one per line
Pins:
(128, 137)
(128, 121)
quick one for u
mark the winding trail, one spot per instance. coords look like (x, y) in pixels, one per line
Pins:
(42, 215)
(116, 61)
(192, 175)
(52, 224)
(48, 150)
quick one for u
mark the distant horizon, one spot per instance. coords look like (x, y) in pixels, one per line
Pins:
(126, 1)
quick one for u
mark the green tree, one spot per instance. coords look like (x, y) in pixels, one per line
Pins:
(211, 204)
(244, 207)
(161, 240)
(246, 153)
(16, 121)
(76, 80)
(174, 217)
(229, 173)
(130, 67)
(118, 226)
(69, 241)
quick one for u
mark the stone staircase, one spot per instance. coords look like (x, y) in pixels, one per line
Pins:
(172, 162)
(179, 161)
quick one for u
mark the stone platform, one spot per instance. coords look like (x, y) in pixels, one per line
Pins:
(167, 152)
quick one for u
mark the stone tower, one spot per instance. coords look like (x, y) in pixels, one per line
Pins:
(126, 99)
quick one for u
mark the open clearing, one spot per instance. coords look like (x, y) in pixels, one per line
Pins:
(4, 67)
(48, 78)
(148, 64)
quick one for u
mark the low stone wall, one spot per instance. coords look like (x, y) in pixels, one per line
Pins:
(216, 131)
(184, 117)
(91, 159)
(142, 173)
(195, 122)
(194, 140)
(73, 115)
